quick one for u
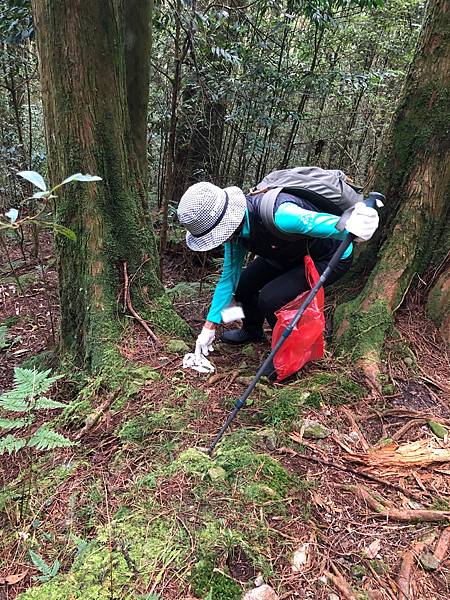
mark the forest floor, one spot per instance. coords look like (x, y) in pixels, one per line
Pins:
(320, 490)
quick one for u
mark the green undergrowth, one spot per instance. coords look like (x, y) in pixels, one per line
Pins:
(286, 404)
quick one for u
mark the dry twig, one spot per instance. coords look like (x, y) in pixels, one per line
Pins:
(404, 575)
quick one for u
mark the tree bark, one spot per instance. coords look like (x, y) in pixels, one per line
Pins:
(91, 127)
(413, 171)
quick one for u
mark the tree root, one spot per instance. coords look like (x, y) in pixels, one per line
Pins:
(95, 417)
(405, 572)
(382, 508)
(127, 304)
(340, 583)
(442, 545)
(362, 474)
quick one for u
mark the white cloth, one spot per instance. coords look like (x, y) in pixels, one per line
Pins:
(362, 222)
(203, 346)
(200, 364)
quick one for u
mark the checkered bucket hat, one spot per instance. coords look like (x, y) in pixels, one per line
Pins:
(210, 214)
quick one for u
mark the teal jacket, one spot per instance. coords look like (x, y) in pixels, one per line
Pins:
(289, 218)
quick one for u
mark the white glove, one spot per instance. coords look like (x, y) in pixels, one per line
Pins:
(202, 365)
(362, 222)
(204, 342)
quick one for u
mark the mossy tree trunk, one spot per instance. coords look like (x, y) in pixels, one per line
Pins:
(92, 58)
(413, 171)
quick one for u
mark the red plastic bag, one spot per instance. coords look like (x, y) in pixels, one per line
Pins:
(306, 340)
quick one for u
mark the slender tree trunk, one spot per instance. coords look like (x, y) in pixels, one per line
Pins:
(87, 112)
(414, 173)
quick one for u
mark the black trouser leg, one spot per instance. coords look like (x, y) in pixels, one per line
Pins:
(253, 278)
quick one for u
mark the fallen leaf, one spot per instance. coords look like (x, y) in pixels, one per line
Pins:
(13, 579)
(299, 558)
(372, 549)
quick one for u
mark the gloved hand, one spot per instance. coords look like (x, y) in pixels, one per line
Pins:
(204, 342)
(362, 222)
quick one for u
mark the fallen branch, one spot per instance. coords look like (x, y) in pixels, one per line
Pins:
(340, 583)
(379, 505)
(362, 474)
(128, 304)
(442, 545)
(95, 417)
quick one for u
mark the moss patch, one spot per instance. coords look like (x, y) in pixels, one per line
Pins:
(163, 316)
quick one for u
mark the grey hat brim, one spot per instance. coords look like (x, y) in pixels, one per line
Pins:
(231, 220)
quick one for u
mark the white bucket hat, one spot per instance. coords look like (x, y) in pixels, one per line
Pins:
(210, 214)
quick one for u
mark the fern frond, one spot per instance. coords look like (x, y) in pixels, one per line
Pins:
(39, 563)
(45, 438)
(11, 444)
(28, 384)
(47, 404)
(15, 423)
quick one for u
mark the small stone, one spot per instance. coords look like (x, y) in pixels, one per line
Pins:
(269, 438)
(299, 558)
(315, 430)
(259, 580)
(263, 592)
(354, 436)
(333, 597)
(429, 562)
(217, 474)
(177, 347)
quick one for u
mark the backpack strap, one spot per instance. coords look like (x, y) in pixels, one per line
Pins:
(266, 211)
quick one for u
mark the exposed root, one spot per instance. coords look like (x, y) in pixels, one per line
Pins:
(405, 573)
(442, 545)
(340, 583)
(129, 305)
(382, 509)
(95, 417)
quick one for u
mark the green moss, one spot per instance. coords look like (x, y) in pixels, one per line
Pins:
(162, 315)
(177, 347)
(212, 584)
(284, 406)
(138, 430)
(362, 332)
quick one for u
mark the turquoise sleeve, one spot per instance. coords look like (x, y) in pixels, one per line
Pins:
(291, 218)
(232, 266)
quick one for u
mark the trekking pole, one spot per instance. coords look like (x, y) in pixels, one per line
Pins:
(371, 201)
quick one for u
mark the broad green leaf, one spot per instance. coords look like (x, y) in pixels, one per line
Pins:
(80, 177)
(47, 439)
(65, 231)
(35, 178)
(14, 423)
(12, 214)
(39, 563)
(11, 444)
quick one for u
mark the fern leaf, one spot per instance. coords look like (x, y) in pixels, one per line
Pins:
(15, 423)
(9, 443)
(14, 404)
(47, 404)
(45, 438)
(39, 563)
(28, 384)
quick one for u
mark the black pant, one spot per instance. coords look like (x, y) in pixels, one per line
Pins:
(264, 288)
